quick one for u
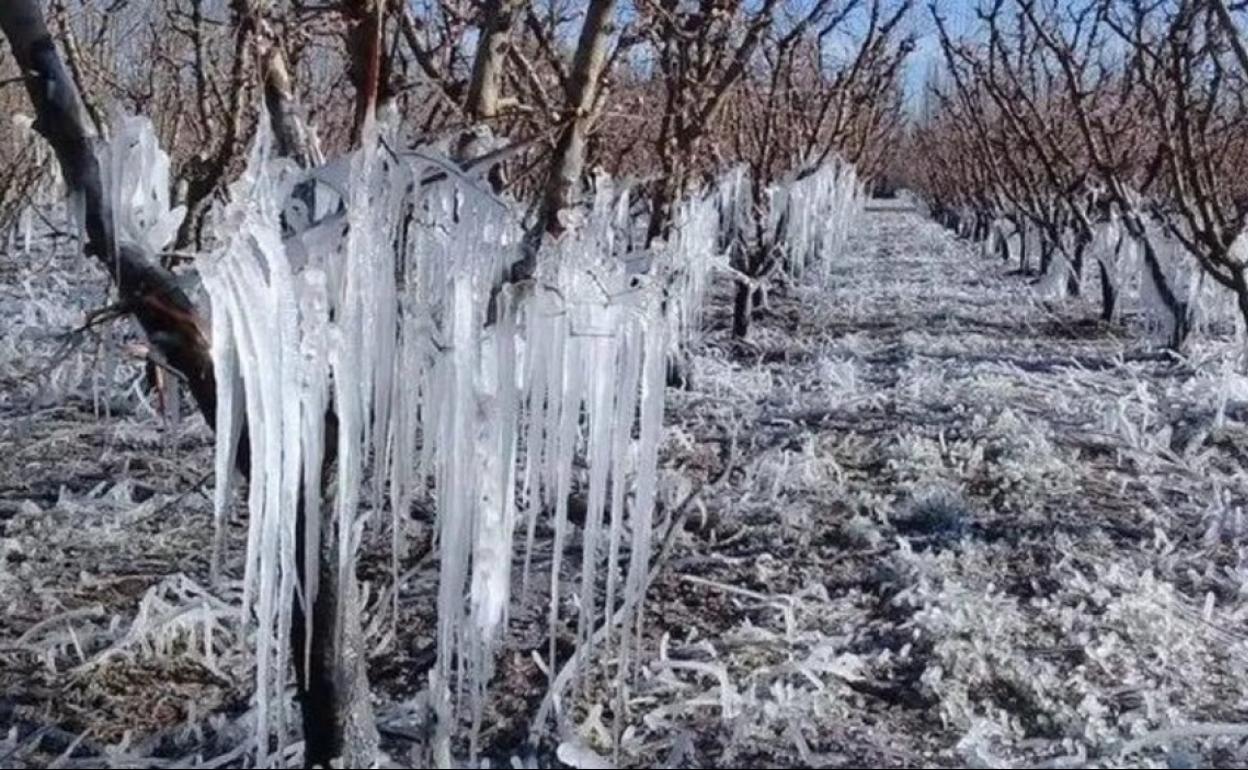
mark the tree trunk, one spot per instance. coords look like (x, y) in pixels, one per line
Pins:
(741, 311)
(1109, 294)
(331, 672)
(1074, 280)
(482, 102)
(1241, 294)
(1178, 308)
(364, 41)
(662, 204)
(751, 264)
(1023, 261)
(487, 68)
(568, 164)
(290, 134)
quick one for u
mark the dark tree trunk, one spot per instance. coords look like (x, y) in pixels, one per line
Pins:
(366, 67)
(1074, 279)
(498, 16)
(331, 675)
(1023, 256)
(666, 192)
(563, 183)
(1109, 293)
(1241, 294)
(753, 263)
(1046, 255)
(741, 311)
(332, 682)
(1179, 311)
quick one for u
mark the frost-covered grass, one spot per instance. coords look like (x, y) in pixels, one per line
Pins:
(968, 526)
(925, 518)
(108, 638)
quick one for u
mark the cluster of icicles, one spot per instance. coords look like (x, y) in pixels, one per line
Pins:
(1118, 256)
(806, 216)
(386, 306)
(814, 212)
(371, 289)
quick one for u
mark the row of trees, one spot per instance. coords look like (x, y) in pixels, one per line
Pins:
(666, 91)
(1079, 114)
(676, 90)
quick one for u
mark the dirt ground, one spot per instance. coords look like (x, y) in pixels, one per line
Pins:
(922, 517)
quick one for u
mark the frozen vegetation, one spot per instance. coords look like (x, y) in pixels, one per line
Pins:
(925, 515)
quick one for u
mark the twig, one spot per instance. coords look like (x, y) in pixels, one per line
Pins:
(196, 487)
(102, 315)
(1171, 734)
(681, 512)
(94, 611)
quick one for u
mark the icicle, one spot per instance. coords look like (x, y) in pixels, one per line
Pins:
(574, 370)
(458, 439)
(229, 414)
(497, 416)
(629, 375)
(497, 412)
(811, 215)
(602, 366)
(651, 425)
(27, 225)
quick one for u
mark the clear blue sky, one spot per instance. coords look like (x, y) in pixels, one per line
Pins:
(959, 16)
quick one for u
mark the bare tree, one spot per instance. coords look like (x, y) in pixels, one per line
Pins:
(1074, 110)
(207, 173)
(332, 685)
(702, 51)
(148, 291)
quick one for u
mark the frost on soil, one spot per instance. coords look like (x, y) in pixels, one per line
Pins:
(923, 517)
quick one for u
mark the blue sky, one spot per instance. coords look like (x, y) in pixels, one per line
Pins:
(959, 16)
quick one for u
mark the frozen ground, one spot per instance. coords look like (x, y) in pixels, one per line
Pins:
(920, 519)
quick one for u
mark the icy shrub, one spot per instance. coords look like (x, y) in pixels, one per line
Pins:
(939, 516)
(1109, 653)
(840, 376)
(812, 214)
(1025, 459)
(860, 531)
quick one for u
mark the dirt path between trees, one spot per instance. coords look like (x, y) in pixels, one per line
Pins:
(966, 527)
